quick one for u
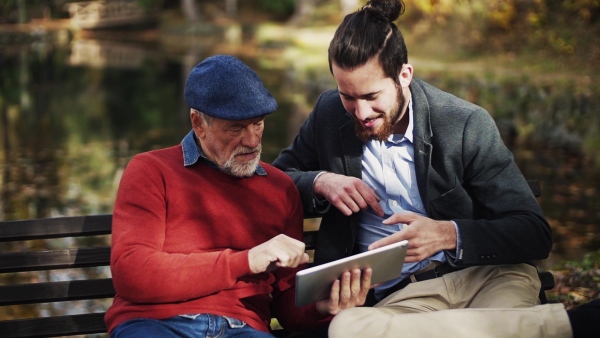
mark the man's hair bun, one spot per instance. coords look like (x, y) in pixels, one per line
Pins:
(389, 9)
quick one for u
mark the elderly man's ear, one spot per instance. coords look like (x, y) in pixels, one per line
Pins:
(197, 124)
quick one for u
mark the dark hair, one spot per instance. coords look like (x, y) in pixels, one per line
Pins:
(368, 32)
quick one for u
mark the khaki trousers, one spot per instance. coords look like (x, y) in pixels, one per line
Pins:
(484, 301)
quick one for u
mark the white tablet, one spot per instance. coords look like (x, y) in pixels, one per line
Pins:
(314, 284)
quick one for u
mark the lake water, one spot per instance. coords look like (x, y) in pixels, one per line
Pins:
(72, 114)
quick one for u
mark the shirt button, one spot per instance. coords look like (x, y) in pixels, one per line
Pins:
(394, 203)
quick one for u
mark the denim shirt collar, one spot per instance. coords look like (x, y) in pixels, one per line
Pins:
(192, 153)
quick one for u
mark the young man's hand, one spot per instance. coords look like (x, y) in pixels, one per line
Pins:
(348, 194)
(425, 236)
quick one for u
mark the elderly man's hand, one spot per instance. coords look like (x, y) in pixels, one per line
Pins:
(348, 194)
(280, 251)
(347, 292)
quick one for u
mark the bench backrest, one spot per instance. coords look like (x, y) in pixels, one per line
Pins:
(55, 291)
(46, 259)
(59, 291)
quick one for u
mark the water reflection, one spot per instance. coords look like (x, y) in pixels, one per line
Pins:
(71, 117)
(97, 53)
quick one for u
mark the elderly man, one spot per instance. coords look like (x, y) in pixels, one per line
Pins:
(206, 237)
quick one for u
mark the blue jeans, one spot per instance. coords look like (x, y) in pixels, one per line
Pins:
(196, 326)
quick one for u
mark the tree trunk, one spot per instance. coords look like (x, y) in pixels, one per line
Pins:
(231, 7)
(22, 11)
(190, 10)
(304, 9)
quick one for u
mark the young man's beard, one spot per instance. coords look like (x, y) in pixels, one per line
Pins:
(242, 169)
(389, 121)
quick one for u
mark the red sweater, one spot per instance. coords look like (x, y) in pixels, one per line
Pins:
(181, 237)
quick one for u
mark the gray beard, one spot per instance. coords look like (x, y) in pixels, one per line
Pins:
(244, 169)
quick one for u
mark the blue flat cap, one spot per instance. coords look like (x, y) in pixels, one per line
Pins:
(223, 87)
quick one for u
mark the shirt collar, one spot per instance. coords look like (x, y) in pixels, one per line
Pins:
(192, 153)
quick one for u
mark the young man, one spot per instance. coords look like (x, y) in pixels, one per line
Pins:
(206, 237)
(387, 157)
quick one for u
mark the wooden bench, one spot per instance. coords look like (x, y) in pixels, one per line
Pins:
(78, 230)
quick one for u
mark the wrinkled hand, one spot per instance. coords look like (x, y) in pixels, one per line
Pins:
(425, 236)
(278, 252)
(348, 194)
(351, 291)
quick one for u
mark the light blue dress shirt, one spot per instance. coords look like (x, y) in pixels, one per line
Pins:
(388, 167)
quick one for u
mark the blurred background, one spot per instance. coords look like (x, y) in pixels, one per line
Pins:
(84, 86)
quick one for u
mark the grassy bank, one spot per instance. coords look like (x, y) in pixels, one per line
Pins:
(577, 282)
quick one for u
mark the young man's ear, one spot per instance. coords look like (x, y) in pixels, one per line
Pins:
(406, 74)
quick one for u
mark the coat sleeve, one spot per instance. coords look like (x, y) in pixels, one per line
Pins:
(510, 226)
(301, 162)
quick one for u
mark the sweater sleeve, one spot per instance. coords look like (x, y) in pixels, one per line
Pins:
(294, 318)
(142, 271)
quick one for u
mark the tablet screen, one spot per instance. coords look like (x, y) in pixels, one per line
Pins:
(314, 284)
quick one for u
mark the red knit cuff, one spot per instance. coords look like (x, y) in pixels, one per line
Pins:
(239, 264)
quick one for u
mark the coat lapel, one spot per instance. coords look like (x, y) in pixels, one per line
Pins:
(422, 135)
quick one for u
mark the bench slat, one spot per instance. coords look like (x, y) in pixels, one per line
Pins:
(55, 227)
(310, 239)
(54, 326)
(54, 259)
(56, 291)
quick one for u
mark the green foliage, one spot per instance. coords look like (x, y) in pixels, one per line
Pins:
(278, 7)
(149, 4)
(577, 282)
(548, 28)
(590, 262)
